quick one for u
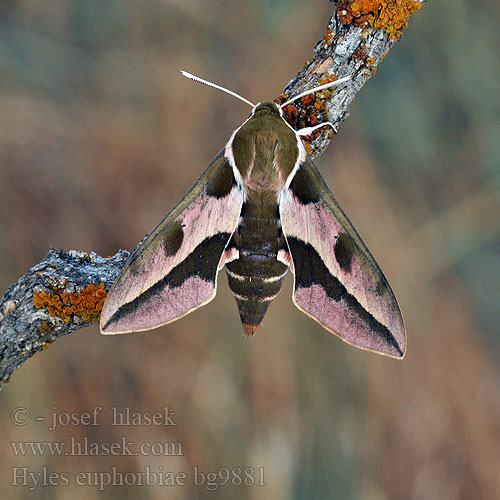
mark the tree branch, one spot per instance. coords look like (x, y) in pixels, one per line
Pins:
(32, 311)
(65, 291)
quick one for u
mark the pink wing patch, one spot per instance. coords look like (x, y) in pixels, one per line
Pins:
(167, 305)
(342, 319)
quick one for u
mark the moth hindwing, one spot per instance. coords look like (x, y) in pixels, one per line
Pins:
(260, 208)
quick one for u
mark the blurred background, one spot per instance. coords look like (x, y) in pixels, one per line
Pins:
(100, 136)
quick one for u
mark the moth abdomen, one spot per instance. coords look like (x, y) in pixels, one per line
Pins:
(255, 286)
(253, 294)
(255, 278)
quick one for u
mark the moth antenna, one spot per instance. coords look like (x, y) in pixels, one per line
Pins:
(309, 130)
(316, 89)
(218, 87)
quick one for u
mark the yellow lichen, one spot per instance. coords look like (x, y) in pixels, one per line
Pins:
(391, 16)
(44, 328)
(47, 342)
(87, 304)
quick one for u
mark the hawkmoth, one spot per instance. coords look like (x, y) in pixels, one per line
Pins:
(260, 208)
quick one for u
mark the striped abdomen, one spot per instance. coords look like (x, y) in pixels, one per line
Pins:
(255, 278)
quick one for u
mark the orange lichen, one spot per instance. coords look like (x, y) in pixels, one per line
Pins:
(328, 37)
(44, 328)
(87, 304)
(290, 112)
(391, 16)
(369, 62)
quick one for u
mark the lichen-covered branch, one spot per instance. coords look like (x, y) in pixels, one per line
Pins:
(359, 35)
(65, 292)
(61, 294)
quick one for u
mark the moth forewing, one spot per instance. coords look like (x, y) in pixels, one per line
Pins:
(174, 270)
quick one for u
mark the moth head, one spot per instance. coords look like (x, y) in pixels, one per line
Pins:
(266, 108)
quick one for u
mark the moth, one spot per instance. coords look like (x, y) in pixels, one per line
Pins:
(260, 208)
